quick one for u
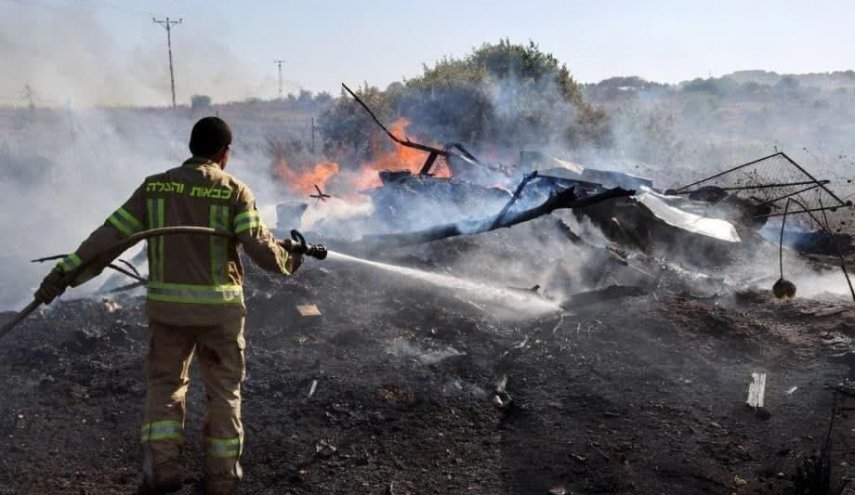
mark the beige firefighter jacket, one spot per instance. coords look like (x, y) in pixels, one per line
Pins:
(193, 279)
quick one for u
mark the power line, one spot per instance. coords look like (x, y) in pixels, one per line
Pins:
(167, 24)
(279, 66)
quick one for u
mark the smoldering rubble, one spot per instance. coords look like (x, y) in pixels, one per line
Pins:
(434, 391)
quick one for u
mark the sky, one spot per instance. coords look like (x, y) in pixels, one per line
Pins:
(110, 51)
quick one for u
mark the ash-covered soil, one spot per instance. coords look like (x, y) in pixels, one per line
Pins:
(641, 393)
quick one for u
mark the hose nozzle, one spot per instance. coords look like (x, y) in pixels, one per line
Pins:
(298, 245)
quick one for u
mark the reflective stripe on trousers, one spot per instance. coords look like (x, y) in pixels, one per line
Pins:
(224, 447)
(168, 429)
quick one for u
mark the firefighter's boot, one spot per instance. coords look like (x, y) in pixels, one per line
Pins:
(159, 479)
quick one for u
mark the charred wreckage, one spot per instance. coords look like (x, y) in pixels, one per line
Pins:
(640, 240)
(771, 200)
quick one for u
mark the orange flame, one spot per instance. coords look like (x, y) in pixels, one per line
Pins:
(304, 182)
(303, 178)
(400, 158)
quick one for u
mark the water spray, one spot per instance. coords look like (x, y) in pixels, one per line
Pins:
(515, 300)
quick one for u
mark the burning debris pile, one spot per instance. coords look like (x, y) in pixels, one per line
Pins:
(722, 224)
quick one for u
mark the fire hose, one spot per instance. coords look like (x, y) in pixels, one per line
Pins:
(296, 245)
(132, 273)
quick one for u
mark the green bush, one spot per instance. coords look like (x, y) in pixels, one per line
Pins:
(502, 95)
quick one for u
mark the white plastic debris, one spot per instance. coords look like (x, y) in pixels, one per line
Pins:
(558, 490)
(757, 390)
(711, 227)
(308, 310)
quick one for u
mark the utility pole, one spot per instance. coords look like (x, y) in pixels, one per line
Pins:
(29, 94)
(70, 119)
(167, 23)
(279, 66)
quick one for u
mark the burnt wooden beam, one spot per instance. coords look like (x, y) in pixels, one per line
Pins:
(402, 142)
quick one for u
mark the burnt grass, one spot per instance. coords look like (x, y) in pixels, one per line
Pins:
(639, 394)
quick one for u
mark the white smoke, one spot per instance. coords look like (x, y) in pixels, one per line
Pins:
(64, 53)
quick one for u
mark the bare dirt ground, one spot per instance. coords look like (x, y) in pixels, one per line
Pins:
(639, 394)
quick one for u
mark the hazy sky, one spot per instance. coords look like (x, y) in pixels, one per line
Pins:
(325, 43)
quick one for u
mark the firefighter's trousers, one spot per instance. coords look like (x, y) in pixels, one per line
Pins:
(221, 359)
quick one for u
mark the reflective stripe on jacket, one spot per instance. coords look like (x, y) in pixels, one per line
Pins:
(193, 279)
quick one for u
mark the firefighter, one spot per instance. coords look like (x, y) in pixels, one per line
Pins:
(194, 302)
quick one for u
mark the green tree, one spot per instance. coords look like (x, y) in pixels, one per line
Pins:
(502, 95)
(346, 128)
(503, 91)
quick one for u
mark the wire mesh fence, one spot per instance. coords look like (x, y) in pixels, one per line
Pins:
(769, 183)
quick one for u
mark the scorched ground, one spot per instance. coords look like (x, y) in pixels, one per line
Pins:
(640, 393)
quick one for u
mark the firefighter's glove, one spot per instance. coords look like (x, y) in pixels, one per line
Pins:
(295, 257)
(296, 261)
(52, 286)
(287, 244)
